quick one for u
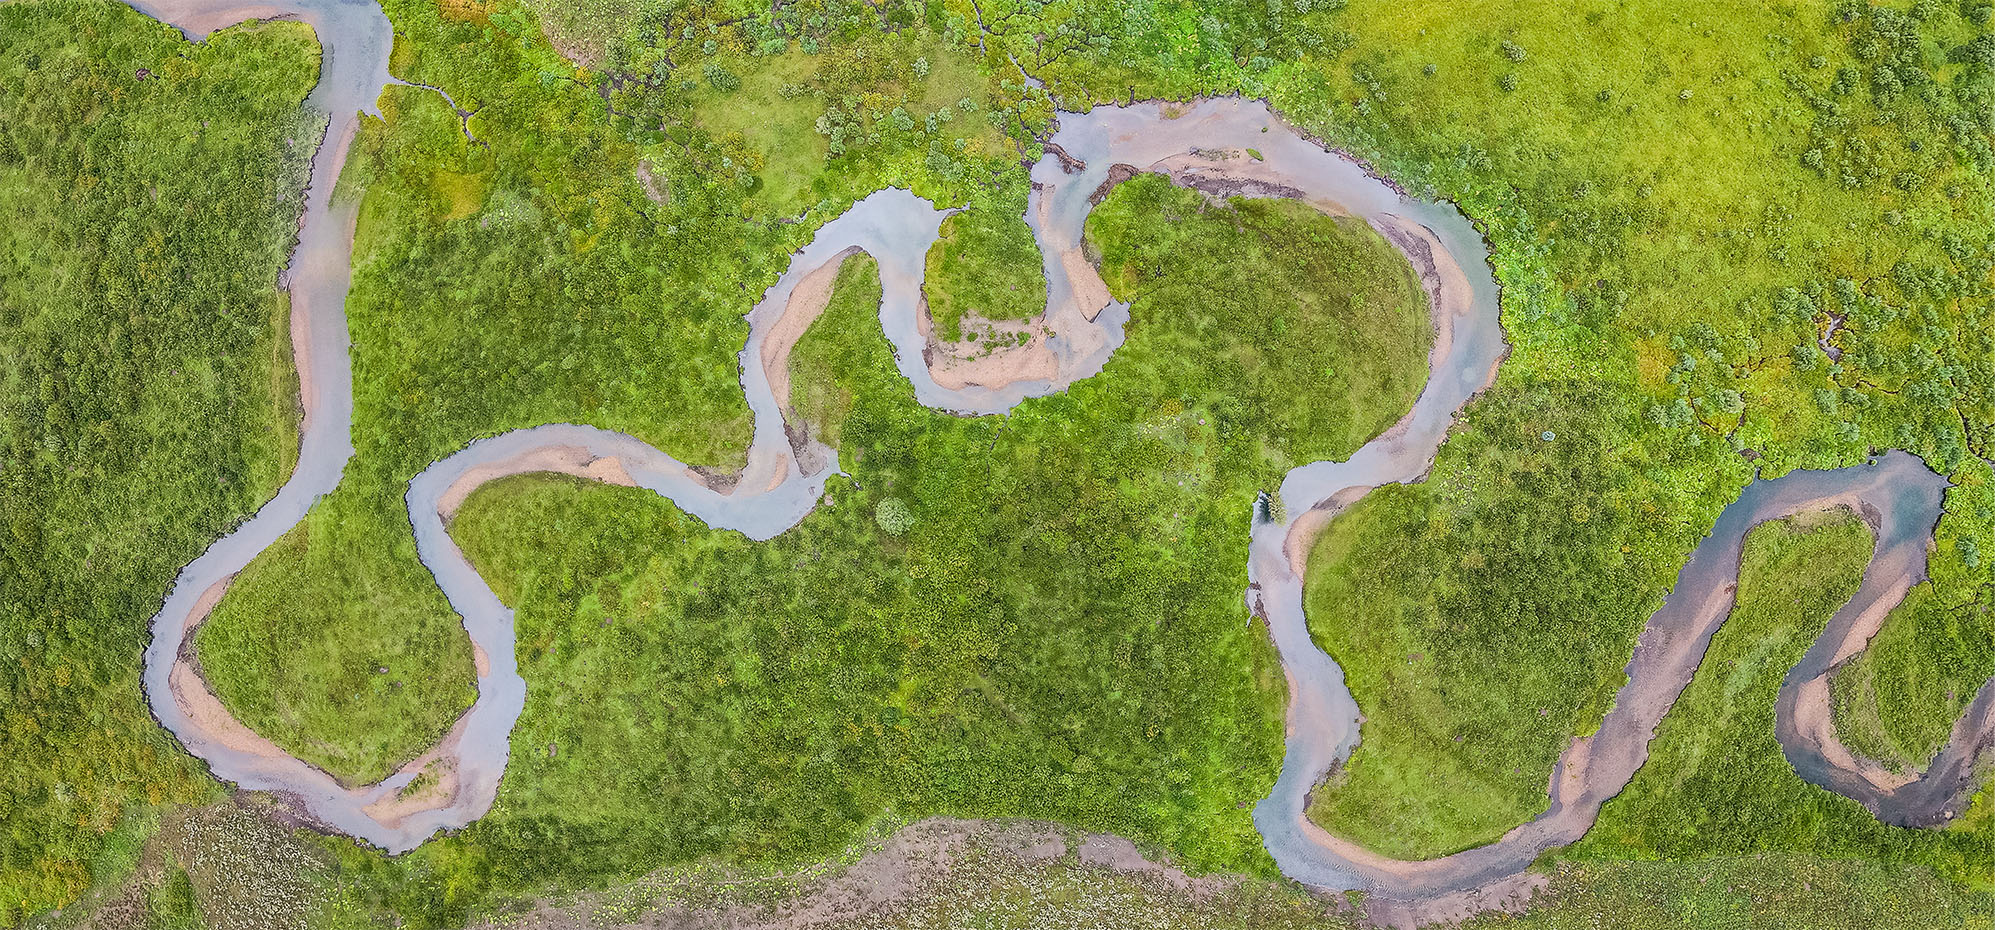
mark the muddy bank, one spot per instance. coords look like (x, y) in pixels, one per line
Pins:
(807, 302)
(355, 39)
(992, 354)
(1204, 145)
(785, 470)
(563, 460)
(1900, 499)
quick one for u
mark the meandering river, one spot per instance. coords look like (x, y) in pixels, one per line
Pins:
(1203, 145)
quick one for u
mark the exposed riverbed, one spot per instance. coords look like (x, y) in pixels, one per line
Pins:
(1201, 145)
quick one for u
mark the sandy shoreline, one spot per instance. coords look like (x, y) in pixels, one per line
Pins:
(808, 301)
(957, 365)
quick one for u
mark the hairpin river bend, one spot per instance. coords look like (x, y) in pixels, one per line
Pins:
(1897, 495)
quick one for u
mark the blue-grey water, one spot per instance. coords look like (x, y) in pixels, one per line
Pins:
(779, 486)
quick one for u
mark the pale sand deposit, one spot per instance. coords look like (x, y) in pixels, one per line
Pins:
(1090, 291)
(956, 365)
(807, 302)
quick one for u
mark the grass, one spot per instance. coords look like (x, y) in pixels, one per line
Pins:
(1669, 254)
(143, 406)
(1377, 799)
(794, 111)
(817, 394)
(1897, 701)
(1716, 783)
(985, 266)
(1681, 199)
(467, 324)
(985, 881)
(223, 865)
(1466, 607)
(1052, 626)
(1256, 276)
(352, 701)
(1777, 892)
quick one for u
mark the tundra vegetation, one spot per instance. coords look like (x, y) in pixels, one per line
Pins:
(1716, 783)
(1682, 215)
(149, 192)
(1035, 616)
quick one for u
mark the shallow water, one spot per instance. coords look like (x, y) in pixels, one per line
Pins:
(776, 490)
(356, 37)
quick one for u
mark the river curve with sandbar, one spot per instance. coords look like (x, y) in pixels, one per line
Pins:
(1202, 145)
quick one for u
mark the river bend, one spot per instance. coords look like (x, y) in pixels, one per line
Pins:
(1201, 145)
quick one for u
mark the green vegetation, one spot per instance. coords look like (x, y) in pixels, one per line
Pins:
(563, 267)
(1777, 892)
(146, 402)
(1035, 616)
(1241, 282)
(1716, 783)
(818, 395)
(987, 266)
(990, 878)
(1785, 893)
(1897, 701)
(1683, 200)
(1670, 259)
(228, 865)
(1470, 666)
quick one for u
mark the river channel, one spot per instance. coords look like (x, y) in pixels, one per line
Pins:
(1202, 144)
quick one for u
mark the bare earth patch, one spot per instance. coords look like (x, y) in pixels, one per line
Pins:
(808, 301)
(995, 358)
(936, 872)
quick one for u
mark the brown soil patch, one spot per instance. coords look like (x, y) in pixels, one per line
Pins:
(1117, 173)
(915, 864)
(1090, 291)
(192, 696)
(654, 186)
(1303, 532)
(200, 17)
(1512, 895)
(994, 359)
(441, 792)
(1234, 173)
(205, 604)
(1449, 295)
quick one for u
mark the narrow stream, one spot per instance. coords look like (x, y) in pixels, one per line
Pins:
(1202, 145)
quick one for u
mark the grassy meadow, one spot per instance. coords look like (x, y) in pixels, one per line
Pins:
(1672, 253)
(563, 267)
(1037, 615)
(1716, 783)
(146, 397)
(1033, 616)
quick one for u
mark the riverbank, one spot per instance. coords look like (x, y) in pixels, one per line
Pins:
(779, 489)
